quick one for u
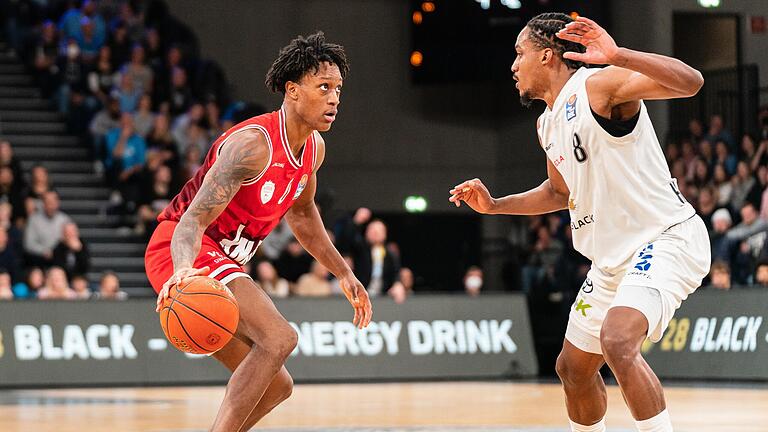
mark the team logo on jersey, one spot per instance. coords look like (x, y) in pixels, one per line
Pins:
(267, 191)
(571, 204)
(570, 108)
(301, 186)
(645, 257)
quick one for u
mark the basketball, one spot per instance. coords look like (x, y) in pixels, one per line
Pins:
(200, 316)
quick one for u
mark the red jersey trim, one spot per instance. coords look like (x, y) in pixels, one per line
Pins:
(263, 130)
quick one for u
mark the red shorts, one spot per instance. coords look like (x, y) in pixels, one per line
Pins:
(159, 265)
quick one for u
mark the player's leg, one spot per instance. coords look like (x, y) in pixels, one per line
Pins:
(662, 274)
(579, 362)
(279, 389)
(585, 395)
(622, 337)
(272, 338)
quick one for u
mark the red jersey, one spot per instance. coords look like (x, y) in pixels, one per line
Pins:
(261, 201)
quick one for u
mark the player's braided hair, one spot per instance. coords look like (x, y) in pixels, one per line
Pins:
(543, 28)
(304, 55)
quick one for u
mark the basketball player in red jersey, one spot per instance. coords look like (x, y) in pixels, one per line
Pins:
(254, 174)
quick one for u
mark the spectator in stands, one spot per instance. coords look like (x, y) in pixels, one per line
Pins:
(119, 44)
(79, 285)
(141, 74)
(6, 289)
(46, 56)
(71, 22)
(56, 286)
(87, 41)
(755, 193)
(73, 78)
(43, 231)
(270, 281)
(400, 292)
(154, 50)
(190, 164)
(725, 158)
(153, 199)
(8, 159)
(34, 281)
(315, 283)
(127, 93)
(761, 156)
(720, 275)
(179, 95)
(126, 155)
(109, 288)
(700, 174)
(717, 132)
(293, 262)
(71, 253)
(101, 77)
(706, 205)
(160, 140)
(761, 273)
(722, 185)
(742, 183)
(186, 131)
(6, 224)
(473, 281)
(672, 153)
(544, 256)
(10, 261)
(39, 184)
(348, 230)
(376, 266)
(11, 193)
(695, 130)
(144, 119)
(213, 118)
(688, 156)
(721, 222)
(104, 121)
(707, 153)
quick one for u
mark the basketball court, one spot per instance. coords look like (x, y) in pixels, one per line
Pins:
(410, 407)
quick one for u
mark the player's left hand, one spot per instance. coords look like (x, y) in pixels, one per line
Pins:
(601, 48)
(358, 297)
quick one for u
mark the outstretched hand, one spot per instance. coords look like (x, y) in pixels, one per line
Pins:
(601, 48)
(475, 194)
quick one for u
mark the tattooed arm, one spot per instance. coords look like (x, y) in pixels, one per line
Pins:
(245, 155)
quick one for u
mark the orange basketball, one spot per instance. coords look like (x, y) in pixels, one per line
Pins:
(200, 316)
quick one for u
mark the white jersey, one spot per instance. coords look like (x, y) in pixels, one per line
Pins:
(621, 192)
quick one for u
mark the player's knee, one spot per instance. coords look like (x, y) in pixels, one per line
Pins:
(286, 388)
(281, 343)
(618, 348)
(570, 372)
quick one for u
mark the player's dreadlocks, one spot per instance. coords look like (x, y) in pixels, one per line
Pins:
(304, 55)
(543, 28)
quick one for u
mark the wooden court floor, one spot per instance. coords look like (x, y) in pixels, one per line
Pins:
(411, 407)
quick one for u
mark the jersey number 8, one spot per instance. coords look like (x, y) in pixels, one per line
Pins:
(578, 151)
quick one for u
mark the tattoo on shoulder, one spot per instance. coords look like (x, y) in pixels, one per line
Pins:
(238, 161)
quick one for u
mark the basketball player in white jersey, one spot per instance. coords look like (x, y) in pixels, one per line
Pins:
(649, 249)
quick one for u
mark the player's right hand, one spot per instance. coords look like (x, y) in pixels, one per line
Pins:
(475, 194)
(179, 277)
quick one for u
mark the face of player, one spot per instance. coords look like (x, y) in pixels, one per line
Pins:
(318, 96)
(527, 68)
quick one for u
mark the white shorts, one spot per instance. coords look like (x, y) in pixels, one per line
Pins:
(654, 280)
